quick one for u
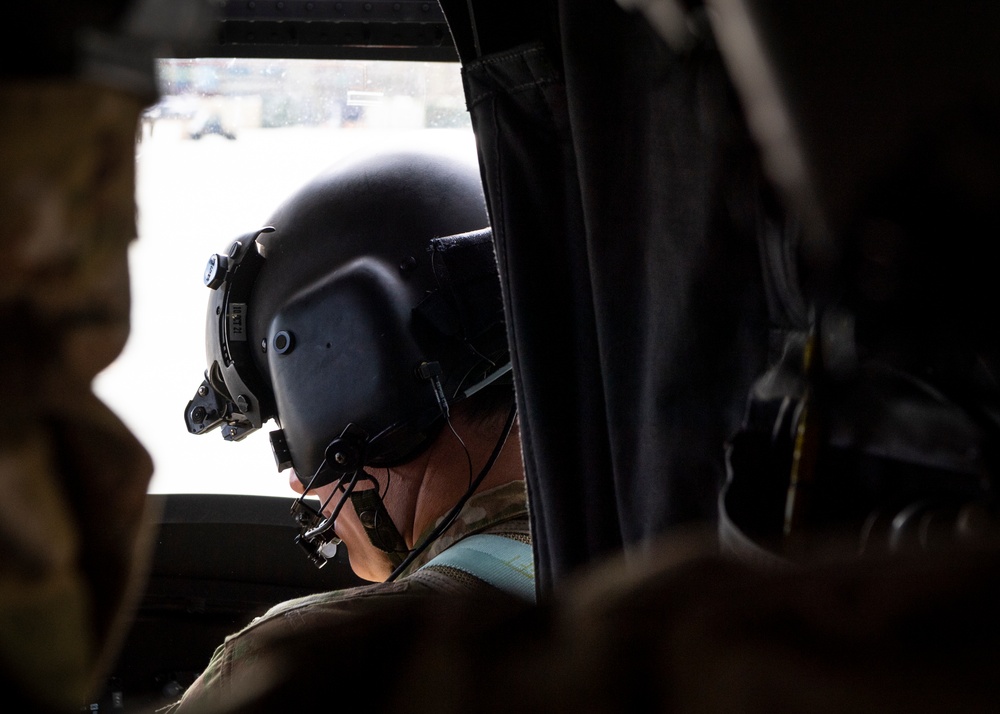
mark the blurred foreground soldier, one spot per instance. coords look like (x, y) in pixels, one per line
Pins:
(367, 321)
(73, 538)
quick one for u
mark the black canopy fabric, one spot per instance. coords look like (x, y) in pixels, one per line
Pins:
(649, 273)
(627, 206)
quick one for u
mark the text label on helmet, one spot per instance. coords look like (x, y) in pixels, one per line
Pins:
(236, 321)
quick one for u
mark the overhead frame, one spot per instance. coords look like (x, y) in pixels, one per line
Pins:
(413, 30)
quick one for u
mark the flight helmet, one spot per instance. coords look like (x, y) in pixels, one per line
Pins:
(365, 307)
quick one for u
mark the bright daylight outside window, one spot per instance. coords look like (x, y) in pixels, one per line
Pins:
(228, 142)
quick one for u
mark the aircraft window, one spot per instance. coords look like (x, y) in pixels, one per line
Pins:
(228, 141)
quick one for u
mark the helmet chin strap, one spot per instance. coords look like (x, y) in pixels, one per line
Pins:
(316, 535)
(378, 525)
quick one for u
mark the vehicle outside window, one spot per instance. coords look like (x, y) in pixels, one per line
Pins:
(228, 141)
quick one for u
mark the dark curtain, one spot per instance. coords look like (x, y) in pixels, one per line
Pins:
(628, 208)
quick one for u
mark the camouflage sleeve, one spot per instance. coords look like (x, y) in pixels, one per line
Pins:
(210, 686)
(242, 666)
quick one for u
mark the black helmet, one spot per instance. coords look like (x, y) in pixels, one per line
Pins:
(368, 304)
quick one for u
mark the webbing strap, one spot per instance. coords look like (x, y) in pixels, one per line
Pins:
(504, 563)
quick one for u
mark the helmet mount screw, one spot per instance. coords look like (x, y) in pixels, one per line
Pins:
(283, 342)
(340, 457)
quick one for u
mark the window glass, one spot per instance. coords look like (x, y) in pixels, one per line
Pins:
(229, 140)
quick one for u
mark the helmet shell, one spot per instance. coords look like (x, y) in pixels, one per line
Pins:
(342, 341)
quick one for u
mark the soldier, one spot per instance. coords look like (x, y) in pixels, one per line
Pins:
(73, 536)
(367, 321)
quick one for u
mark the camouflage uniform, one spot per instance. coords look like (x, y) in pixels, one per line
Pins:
(499, 511)
(73, 538)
